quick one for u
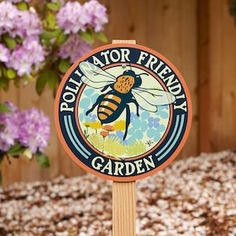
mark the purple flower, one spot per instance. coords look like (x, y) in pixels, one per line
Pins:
(30, 128)
(34, 130)
(72, 18)
(74, 48)
(23, 59)
(28, 24)
(19, 23)
(8, 15)
(17, 1)
(4, 53)
(96, 13)
(34, 51)
(8, 128)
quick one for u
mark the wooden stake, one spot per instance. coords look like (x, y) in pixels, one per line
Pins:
(124, 199)
(123, 209)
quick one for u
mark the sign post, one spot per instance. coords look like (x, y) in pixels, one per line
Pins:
(124, 199)
(123, 209)
(123, 112)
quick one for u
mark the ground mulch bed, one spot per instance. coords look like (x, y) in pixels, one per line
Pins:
(195, 196)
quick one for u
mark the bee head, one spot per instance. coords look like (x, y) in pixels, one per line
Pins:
(138, 80)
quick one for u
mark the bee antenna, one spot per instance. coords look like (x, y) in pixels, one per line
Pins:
(130, 66)
(144, 74)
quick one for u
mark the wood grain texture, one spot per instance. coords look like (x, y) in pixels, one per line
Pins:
(123, 209)
(198, 37)
(123, 198)
(217, 72)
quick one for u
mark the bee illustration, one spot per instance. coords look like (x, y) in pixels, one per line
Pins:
(123, 90)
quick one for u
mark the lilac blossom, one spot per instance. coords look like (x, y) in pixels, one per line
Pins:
(8, 15)
(74, 48)
(34, 50)
(28, 24)
(17, 1)
(4, 53)
(96, 13)
(8, 128)
(34, 130)
(19, 23)
(23, 59)
(30, 128)
(72, 18)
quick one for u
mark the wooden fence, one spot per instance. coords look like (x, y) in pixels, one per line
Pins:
(199, 37)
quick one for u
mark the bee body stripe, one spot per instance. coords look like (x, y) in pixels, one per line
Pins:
(108, 106)
(102, 116)
(106, 110)
(113, 97)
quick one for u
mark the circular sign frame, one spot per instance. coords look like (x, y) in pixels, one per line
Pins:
(72, 108)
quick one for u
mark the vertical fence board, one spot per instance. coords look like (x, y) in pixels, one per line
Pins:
(217, 78)
(229, 80)
(203, 73)
(198, 37)
(188, 68)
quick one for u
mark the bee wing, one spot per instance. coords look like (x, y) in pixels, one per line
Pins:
(96, 85)
(142, 101)
(156, 97)
(95, 74)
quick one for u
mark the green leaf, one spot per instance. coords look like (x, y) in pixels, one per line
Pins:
(49, 77)
(2, 154)
(87, 36)
(4, 83)
(47, 35)
(10, 42)
(16, 150)
(61, 38)
(51, 21)
(101, 36)
(11, 74)
(4, 108)
(41, 82)
(50, 34)
(28, 78)
(22, 6)
(17, 82)
(42, 159)
(64, 65)
(1, 71)
(53, 79)
(54, 6)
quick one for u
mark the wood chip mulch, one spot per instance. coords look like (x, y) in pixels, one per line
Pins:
(195, 196)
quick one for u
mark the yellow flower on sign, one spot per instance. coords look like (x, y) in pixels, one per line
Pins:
(87, 124)
(93, 125)
(119, 125)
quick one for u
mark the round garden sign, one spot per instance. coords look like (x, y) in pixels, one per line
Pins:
(123, 112)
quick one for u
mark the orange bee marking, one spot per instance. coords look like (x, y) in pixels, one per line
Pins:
(113, 97)
(109, 104)
(124, 84)
(102, 116)
(103, 109)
